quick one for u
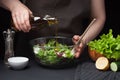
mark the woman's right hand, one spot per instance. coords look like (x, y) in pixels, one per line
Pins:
(21, 17)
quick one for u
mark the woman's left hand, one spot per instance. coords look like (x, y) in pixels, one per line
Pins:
(81, 46)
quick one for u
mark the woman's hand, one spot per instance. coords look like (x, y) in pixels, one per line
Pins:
(21, 15)
(80, 48)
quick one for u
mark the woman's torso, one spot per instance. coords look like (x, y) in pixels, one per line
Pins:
(71, 15)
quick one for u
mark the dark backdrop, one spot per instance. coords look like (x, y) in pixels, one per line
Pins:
(113, 17)
(4, 24)
(112, 21)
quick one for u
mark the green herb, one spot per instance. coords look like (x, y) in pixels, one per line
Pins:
(107, 45)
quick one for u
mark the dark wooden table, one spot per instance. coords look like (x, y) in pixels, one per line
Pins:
(36, 72)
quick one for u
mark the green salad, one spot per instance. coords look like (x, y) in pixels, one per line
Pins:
(108, 45)
(52, 52)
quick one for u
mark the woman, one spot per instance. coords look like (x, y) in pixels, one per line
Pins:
(73, 15)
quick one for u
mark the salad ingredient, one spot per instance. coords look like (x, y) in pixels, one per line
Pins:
(102, 63)
(107, 45)
(53, 52)
(115, 66)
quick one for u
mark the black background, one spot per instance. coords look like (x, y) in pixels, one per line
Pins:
(112, 21)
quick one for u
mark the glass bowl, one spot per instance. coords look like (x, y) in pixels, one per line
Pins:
(54, 52)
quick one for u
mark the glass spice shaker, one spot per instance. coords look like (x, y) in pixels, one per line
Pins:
(9, 52)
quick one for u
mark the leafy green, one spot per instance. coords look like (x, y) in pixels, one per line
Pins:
(108, 45)
(53, 52)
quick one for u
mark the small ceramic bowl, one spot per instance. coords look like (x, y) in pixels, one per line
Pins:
(18, 62)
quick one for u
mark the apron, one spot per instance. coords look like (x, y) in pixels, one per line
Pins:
(73, 17)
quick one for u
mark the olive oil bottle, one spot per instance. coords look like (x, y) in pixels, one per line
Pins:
(39, 22)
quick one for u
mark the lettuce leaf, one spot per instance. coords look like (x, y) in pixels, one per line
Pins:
(107, 45)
